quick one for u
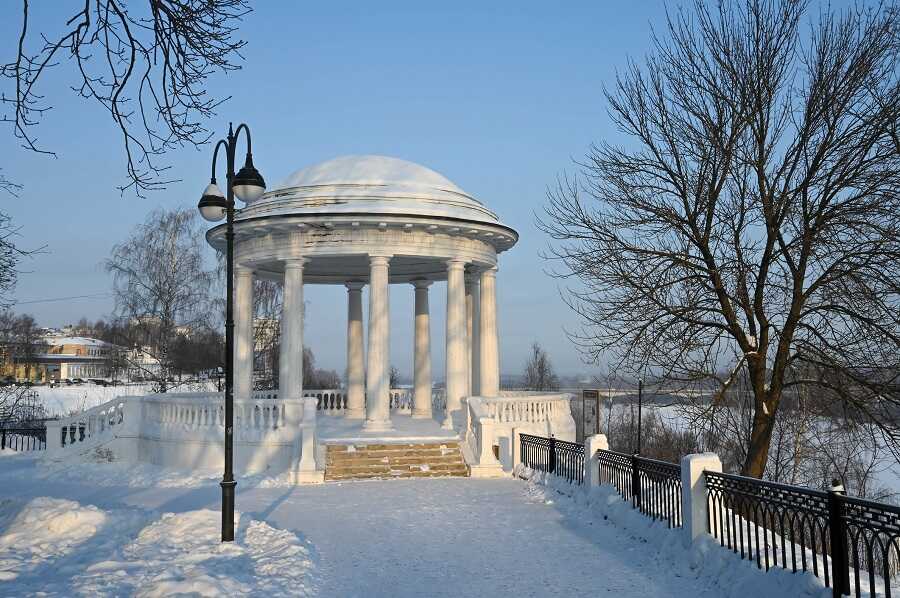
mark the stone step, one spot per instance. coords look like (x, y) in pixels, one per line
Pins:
(438, 454)
(343, 448)
(455, 467)
(392, 461)
(395, 475)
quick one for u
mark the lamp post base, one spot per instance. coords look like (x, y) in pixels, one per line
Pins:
(228, 509)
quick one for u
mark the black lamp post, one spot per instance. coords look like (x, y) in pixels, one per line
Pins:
(640, 405)
(248, 185)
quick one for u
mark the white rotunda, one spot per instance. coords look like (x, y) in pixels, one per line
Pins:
(377, 221)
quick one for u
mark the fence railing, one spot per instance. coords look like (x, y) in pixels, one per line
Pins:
(561, 458)
(653, 487)
(825, 533)
(23, 439)
(658, 490)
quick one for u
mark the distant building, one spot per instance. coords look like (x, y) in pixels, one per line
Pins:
(60, 357)
(142, 364)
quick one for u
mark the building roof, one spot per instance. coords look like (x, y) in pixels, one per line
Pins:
(75, 340)
(369, 185)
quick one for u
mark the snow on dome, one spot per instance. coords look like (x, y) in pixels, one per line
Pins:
(369, 170)
(369, 185)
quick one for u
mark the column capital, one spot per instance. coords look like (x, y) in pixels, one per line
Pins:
(294, 263)
(379, 259)
(241, 270)
(354, 285)
(421, 283)
(455, 263)
(489, 271)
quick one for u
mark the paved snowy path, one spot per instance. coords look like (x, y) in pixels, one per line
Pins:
(443, 537)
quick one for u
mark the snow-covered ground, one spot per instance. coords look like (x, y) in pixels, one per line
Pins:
(105, 529)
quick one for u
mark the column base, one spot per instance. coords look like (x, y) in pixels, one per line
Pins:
(373, 425)
(307, 477)
(421, 414)
(493, 470)
(355, 413)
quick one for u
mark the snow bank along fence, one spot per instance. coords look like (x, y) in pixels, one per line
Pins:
(23, 439)
(654, 487)
(561, 458)
(851, 544)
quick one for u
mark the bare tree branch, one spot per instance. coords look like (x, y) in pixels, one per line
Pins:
(147, 64)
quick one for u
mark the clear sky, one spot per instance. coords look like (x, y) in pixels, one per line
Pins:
(497, 97)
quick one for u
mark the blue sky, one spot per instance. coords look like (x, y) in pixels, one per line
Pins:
(498, 97)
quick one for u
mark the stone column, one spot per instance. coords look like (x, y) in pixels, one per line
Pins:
(457, 368)
(490, 357)
(378, 399)
(356, 367)
(290, 358)
(694, 493)
(422, 353)
(243, 332)
(473, 328)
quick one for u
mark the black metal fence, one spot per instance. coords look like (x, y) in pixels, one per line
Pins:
(825, 533)
(653, 487)
(23, 439)
(559, 457)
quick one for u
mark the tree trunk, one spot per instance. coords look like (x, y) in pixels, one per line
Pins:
(761, 434)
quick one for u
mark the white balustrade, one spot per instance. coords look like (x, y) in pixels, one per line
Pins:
(494, 423)
(401, 400)
(88, 426)
(185, 430)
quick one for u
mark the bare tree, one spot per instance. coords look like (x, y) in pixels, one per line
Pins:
(539, 371)
(146, 63)
(161, 288)
(267, 330)
(753, 222)
(315, 378)
(393, 377)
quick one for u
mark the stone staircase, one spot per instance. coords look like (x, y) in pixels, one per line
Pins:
(388, 461)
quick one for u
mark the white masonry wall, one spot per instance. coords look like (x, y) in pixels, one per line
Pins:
(185, 431)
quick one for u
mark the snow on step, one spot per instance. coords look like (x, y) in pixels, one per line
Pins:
(390, 461)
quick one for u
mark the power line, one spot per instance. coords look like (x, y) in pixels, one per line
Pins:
(94, 296)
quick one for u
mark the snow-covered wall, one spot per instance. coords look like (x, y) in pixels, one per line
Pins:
(185, 431)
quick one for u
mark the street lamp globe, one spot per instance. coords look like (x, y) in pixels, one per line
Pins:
(212, 205)
(248, 183)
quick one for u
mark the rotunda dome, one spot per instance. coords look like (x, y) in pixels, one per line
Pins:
(371, 185)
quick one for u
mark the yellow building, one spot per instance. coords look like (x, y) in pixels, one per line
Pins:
(58, 358)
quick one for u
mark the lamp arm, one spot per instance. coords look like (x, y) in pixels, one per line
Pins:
(219, 144)
(237, 133)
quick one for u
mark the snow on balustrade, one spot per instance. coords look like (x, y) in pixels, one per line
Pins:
(185, 430)
(493, 423)
(206, 411)
(528, 408)
(92, 424)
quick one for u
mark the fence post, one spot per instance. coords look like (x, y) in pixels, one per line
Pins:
(551, 460)
(592, 444)
(840, 568)
(694, 502)
(635, 481)
(516, 448)
(306, 470)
